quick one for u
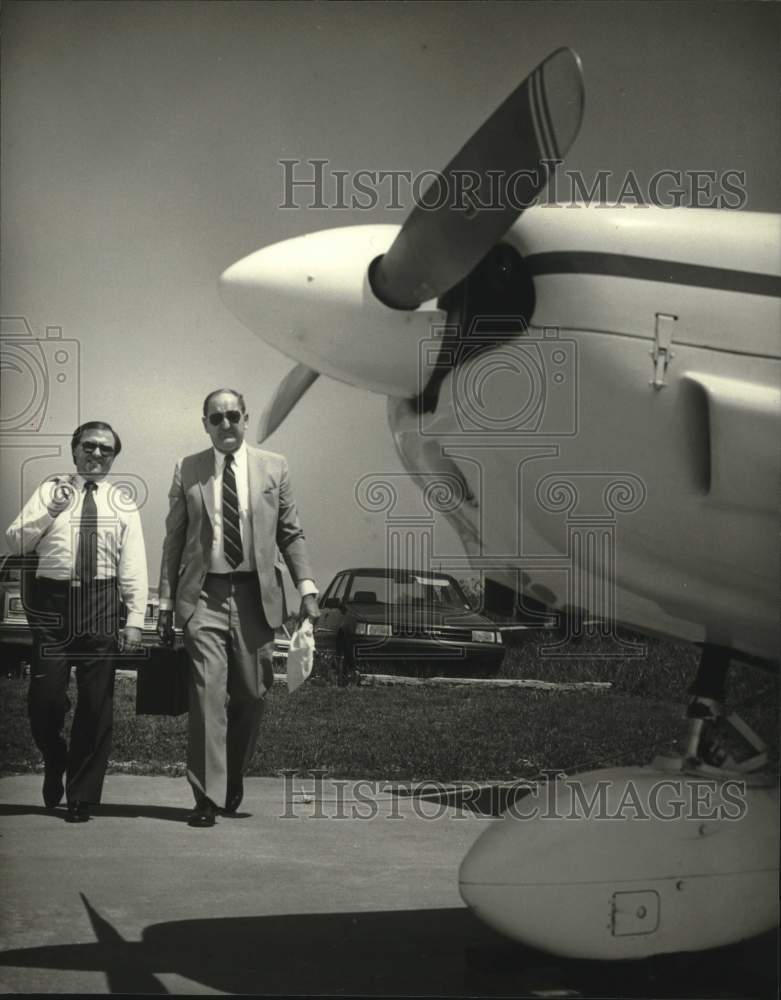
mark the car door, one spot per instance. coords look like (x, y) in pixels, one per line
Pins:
(331, 614)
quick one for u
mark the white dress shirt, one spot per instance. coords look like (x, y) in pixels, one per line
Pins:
(121, 552)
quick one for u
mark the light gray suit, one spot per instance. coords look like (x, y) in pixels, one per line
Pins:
(228, 623)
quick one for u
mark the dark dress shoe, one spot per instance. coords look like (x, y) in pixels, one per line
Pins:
(204, 814)
(78, 812)
(234, 796)
(53, 788)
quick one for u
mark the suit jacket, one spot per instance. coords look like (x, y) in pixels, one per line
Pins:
(189, 531)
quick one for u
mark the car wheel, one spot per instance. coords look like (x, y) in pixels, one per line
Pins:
(345, 671)
(14, 663)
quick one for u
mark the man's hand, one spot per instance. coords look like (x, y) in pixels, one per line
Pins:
(165, 627)
(309, 608)
(129, 640)
(60, 496)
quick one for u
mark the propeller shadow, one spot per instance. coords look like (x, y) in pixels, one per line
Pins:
(409, 952)
(173, 814)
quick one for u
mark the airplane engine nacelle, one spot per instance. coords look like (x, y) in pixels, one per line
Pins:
(629, 862)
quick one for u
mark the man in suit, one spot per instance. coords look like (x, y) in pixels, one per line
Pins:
(86, 534)
(231, 509)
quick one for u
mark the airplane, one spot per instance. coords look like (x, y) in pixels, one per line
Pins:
(600, 386)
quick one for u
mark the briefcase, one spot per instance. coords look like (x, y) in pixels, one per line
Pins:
(161, 684)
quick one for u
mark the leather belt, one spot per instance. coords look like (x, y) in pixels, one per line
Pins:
(245, 574)
(50, 581)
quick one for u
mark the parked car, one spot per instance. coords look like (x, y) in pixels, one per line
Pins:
(15, 637)
(405, 620)
(16, 573)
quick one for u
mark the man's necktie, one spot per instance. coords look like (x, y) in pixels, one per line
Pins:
(231, 530)
(87, 551)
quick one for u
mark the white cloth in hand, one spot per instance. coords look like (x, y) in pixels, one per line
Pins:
(301, 655)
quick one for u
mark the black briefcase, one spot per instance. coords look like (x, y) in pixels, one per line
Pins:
(161, 684)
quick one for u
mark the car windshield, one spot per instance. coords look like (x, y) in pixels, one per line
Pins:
(407, 588)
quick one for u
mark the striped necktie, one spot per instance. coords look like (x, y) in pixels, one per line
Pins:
(231, 529)
(87, 550)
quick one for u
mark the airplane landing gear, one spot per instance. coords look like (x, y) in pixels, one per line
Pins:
(711, 739)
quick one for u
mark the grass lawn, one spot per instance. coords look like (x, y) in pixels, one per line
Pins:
(442, 734)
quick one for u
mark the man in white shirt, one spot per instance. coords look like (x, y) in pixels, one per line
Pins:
(89, 544)
(231, 510)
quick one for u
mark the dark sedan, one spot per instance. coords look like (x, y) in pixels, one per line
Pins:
(405, 621)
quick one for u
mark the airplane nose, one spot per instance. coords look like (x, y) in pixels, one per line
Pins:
(310, 297)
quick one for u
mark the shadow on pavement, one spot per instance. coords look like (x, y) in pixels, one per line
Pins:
(175, 814)
(412, 952)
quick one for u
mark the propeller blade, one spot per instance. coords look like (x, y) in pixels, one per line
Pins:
(510, 159)
(289, 391)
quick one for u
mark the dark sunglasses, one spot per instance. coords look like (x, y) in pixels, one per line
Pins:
(92, 446)
(215, 419)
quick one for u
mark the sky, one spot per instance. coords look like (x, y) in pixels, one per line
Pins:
(141, 149)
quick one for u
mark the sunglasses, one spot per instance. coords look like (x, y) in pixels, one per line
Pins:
(215, 419)
(92, 446)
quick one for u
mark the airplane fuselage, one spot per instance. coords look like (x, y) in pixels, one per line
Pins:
(623, 452)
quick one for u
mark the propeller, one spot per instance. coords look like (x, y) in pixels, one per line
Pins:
(511, 155)
(460, 217)
(289, 391)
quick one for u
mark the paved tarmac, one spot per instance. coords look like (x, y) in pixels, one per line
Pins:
(341, 889)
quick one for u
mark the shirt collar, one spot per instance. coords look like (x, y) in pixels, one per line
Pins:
(239, 457)
(78, 482)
